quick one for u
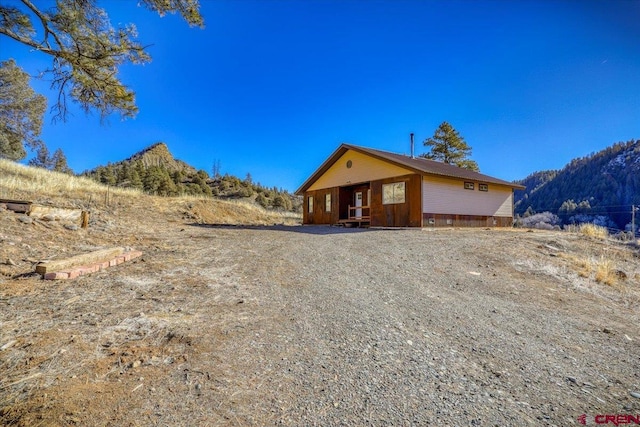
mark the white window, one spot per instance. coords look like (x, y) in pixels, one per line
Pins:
(393, 193)
(483, 187)
(468, 185)
(310, 204)
(327, 202)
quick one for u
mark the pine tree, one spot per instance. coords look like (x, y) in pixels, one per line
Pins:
(87, 51)
(42, 158)
(446, 145)
(135, 180)
(59, 162)
(107, 175)
(124, 175)
(262, 201)
(21, 112)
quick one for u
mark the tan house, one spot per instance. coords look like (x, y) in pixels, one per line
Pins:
(363, 186)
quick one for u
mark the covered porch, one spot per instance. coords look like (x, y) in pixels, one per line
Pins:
(354, 205)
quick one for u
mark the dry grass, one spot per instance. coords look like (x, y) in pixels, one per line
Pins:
(606, 272)
(20, 181)
(592, 230)
(43, 186)
(584, 266)
(235, 212)
(604, 269)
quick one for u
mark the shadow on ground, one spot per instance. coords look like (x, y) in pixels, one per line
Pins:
(305, 229)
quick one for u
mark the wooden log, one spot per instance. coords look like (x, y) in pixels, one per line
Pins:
(18, 207)
(58, 214)
(79, 260)
(15, 201)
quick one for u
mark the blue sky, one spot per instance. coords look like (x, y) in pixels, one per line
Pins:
(272, 87)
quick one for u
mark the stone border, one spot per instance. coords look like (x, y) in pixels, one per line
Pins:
(91, 268)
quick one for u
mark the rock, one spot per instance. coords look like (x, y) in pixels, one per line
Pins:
(48, 217)
(9, 261)
(71, 227)
(635, 394)
(621, 275)
(25, 219)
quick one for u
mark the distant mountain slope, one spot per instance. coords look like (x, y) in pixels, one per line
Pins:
(606, 183)
(533, 183)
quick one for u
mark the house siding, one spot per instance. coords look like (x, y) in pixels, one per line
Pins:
(363, 169)
(407, 214)
(319, 214)
(448, 196)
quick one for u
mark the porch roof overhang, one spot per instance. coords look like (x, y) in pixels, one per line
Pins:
(418, 165)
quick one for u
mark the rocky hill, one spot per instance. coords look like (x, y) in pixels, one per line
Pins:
(156, 171)
(159, 155)
(601, 187)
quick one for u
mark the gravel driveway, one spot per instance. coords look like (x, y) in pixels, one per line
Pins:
(406, 327)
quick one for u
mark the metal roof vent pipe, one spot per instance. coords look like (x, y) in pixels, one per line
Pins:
(412, 156)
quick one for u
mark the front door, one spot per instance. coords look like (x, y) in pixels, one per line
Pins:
(358, 204)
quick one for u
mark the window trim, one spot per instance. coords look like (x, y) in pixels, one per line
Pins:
(468, 185)
(483, 187)
(394, 199)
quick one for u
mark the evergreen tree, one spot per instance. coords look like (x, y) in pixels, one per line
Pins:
(281, 202)
(135, 180)
(262, 201)
(21, 112)
(42, 158)
(152, 180)
(107, 175)
(124, 175)
(59, 162)
(167, 187)
(86, 50)
(446, 145)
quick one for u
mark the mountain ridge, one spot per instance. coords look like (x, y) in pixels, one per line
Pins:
(602, 186)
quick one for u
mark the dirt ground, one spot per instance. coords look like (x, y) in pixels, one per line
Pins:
(293, 325)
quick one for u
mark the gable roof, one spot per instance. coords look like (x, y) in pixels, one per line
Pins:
(417, 164)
